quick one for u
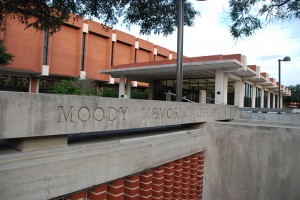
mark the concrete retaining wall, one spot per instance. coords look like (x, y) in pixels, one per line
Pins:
(51, 173)
(252, 162)
(291, 118)
(31, 115)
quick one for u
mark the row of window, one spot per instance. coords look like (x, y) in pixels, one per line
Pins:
(248, 97)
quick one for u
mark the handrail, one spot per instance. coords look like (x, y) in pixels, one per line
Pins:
(190, 101)
(214, 100)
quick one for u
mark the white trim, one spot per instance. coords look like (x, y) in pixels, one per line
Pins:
(85, 28)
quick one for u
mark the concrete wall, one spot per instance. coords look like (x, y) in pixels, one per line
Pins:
(252, 162)
(28, 115)
(289, 117)
(48, 174)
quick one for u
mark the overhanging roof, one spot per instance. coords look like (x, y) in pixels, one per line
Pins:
(200, 69)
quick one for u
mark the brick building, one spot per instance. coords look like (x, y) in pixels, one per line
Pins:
(82, 48)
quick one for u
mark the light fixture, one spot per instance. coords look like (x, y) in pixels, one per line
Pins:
(286, 58)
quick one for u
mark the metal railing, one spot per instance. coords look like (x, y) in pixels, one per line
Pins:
(172, 94)
(188, 100)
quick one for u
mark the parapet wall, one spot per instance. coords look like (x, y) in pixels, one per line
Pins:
(250, 161)
(29, 115)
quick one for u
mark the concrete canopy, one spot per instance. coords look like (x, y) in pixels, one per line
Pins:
(192, 68)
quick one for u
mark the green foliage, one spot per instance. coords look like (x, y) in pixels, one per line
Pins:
(5, 58)
(110, 92)
(151, 15)
(139, 94)
(295, 97)
(76, 87)
(247, 16)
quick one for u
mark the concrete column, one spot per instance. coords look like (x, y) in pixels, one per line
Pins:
(262, 98)
(221, 82)
(253, 96)
(34, 85)
(128, 88)
(268, 99)
(122, 87)
(239, 93)
(281, 101)
(150, 91)
(274, 96)
(202, 96)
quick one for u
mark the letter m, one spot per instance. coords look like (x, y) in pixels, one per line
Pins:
(63, 117)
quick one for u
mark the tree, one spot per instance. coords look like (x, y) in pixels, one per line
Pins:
(159, 16)
(247, 16)
(5, 58)
(294, 98)
(75, 87)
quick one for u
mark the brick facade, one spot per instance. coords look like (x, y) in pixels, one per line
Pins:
(179, 179)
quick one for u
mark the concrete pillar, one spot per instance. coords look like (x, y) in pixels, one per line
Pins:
(262, 98)
(239, 93)
(202, 96)
(268, 99)
(150, 91)
(122, 87)
(281, 101)
(221, 82)
(273, 100)
(34, 85)
(128, 88)
(253, 96)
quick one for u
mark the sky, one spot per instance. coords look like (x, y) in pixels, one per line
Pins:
(210, 36)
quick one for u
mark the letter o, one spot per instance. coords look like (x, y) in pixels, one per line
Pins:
(99, 114)
(84, 114)
(169, 109)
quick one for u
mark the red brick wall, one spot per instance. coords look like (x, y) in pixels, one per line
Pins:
(180, 179)
(65, 52)
(144, 56)
(25, 44)
(97, 51)
(124, 54)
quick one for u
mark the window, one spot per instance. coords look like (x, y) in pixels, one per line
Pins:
(45, 48)
(266, 95)
(258, 98)
(83, 51)
(13, 83)
(271, 100)
(248, 95)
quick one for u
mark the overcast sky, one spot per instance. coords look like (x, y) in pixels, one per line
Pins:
(210, 36)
